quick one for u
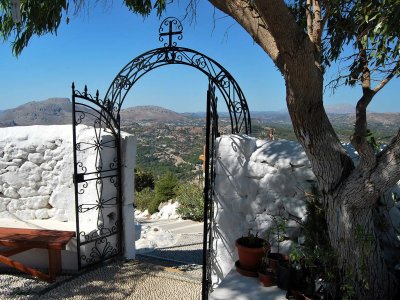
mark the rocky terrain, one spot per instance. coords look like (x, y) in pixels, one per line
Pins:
(55, 111)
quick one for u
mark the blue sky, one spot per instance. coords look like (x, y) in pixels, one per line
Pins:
(97, 43)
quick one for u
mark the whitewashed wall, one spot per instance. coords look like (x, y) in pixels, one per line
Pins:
(254, 180)
(36, 187)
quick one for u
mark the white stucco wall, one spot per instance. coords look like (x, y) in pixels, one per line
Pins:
(36, 184)
(254, 180)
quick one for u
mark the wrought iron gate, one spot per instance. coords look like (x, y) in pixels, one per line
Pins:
(97, 178)
(211, 135)
(98, 191)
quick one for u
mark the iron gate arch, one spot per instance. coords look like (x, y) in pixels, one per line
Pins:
(105, 116)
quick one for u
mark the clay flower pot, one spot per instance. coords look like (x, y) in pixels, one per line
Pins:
(251, 253)
(275, 259)
(266, 278)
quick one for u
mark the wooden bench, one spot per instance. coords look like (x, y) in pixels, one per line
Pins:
(20, 240)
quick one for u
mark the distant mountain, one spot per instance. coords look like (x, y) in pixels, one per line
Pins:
(59, 111)
(150, 113)
(340, 108)
(50, 111)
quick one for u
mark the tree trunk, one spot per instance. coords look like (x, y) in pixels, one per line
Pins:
(364, 273)
(348, 197)
(349, 193)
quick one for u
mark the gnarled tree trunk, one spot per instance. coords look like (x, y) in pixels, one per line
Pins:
(349, 192)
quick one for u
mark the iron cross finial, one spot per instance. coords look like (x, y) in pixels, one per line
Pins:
(174, 27)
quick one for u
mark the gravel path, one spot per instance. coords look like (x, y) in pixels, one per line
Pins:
(186, 255)
(114, 280)
(172, 272)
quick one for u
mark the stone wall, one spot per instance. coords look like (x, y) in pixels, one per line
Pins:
(36, 186)
(36, 167)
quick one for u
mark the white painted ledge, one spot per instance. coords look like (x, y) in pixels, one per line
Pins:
(238, 287)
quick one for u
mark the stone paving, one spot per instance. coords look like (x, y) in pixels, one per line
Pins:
(113, 280)
(187, 254)
(172, 272)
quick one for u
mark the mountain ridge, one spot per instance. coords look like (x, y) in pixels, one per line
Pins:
(59, 111)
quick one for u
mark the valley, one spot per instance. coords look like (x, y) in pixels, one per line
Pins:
(172, 142)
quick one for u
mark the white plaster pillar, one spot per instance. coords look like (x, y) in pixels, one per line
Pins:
(128, 151)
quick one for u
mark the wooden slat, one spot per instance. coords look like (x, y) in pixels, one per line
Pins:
(21, 267)
(25, 239)
(35, 238)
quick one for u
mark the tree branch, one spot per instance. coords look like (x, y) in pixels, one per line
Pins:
(317, 24)
(247, 16)
(388, 78)
(383, 176)
(309, 20)
(359, 138)
(296, 57)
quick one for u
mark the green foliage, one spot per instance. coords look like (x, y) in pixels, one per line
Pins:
(191, 201)
(251, 241)
(370, 28)
(144, 7)
(372, 141)
(144, 198)
(316, 253)
(164, 190)
(165, 187)
(143, 179)
(45, 16)
(37, 18)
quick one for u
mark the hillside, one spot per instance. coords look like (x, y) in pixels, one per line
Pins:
(50, 111)
(170, 141)
(59, 111)
(150, 113)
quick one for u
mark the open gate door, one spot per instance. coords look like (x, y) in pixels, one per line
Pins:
(97, 178)
(211, 135)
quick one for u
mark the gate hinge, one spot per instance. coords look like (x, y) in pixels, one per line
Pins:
(79, 178)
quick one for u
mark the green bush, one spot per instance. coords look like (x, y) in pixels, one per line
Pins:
(165, 187)
(144, 198)
(143, 179)
(191, 202)
(164, 190)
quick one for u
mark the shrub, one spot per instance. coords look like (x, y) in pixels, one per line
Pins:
(143, 179)
(164, 190)
(191, 202)
(165, 187)
(144, 198)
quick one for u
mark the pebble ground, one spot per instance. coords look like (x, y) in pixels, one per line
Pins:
(168, 273)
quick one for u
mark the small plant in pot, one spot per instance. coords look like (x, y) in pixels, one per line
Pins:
(265, 274)
(313, 262)
(251, 250)
(278, 262)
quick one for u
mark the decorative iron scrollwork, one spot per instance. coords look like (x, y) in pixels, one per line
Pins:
(170, 27)
(104, 116)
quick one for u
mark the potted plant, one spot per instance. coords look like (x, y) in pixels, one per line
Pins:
(278, 230)
(278, 262)
(265, 274)
(251, 250)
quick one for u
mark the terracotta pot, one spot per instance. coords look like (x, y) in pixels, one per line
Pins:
(283, 275)
(275, 259)
(266, 279)
(250, 258)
